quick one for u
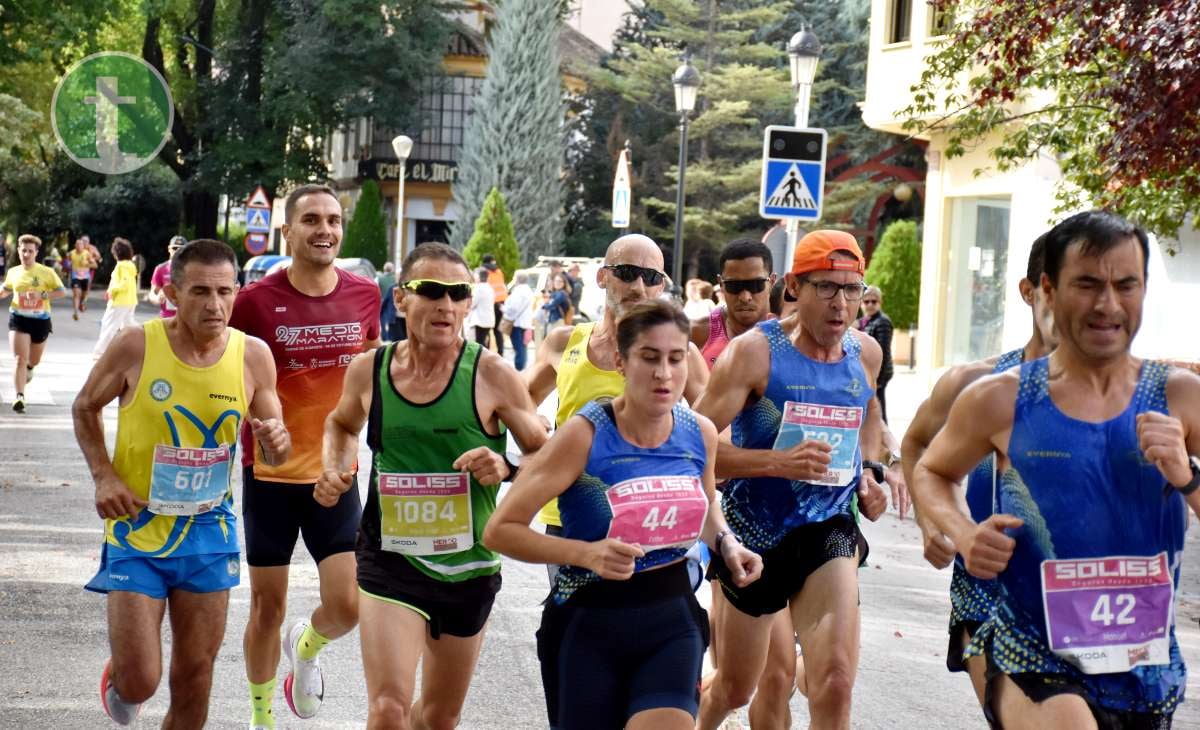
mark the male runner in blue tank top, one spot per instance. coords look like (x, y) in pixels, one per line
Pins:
(971, 599)
(799, 393)
(1091, 510)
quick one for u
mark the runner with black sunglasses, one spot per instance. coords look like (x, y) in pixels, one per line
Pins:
(581, 361)
(436, 407)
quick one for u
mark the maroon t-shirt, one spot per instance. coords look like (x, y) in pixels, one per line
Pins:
(313, 340)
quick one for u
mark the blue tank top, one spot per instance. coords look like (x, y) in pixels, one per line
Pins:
(1084, 491)
(971, 598)
(586, 506)
(762, 510)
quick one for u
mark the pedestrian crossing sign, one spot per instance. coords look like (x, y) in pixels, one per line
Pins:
(793, 176)
(258, 220)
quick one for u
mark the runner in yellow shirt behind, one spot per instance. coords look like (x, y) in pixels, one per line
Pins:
(32, 286)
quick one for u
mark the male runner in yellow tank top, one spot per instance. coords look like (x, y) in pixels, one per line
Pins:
(184, 386)
(581, 361)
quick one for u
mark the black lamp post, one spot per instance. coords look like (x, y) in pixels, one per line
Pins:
(687, 82)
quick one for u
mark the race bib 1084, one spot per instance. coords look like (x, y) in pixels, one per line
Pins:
(837, 426)
(1109, 614)
(425, 514)
(657, 512)
(188, 481)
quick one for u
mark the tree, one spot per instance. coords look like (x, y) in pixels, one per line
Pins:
(896, 269)
(366, 234)
(494, 234)
(514, 141)
(1108, 87)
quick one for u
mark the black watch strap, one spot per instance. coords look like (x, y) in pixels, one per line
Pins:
(1194, 484)
(876, 468)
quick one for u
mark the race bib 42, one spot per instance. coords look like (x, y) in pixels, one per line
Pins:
(1109, 614)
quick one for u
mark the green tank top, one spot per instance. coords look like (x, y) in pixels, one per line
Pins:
(417, 505)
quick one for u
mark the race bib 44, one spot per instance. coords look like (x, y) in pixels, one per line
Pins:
(657, 512)
(425, 514)
(1109, 614)
(188, 481)
(837, 426)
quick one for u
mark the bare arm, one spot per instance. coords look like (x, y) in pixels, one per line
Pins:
(266, 412)
(112, 376)
(980, 422)
(549, 473)
(744, 565)
(740, 374)
(372, 344)
(1183, 398)
(540, 379)
(697, 378)
(340, 443)
(513, 404)
(699, 333)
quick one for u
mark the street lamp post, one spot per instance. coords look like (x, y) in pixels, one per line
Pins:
(804, 51)
(686, 81)
(402, 146)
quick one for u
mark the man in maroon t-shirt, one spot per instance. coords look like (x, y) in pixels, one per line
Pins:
(315, 317)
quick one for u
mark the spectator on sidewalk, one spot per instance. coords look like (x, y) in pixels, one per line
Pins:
(518, 309)
(482, 317)
(878, 325)
(499, 295)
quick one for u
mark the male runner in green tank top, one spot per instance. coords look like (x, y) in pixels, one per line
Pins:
(437, 407)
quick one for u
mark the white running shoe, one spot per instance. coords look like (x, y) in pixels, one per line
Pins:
(121, 712)
(304, 686)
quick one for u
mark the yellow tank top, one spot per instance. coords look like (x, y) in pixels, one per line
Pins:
(578, 383)
(176, 447)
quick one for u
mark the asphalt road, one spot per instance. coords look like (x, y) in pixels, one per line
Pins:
(54, 641)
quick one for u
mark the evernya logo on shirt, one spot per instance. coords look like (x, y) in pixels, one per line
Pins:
(345, 333)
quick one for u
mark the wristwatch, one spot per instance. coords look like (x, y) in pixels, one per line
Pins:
(721, 538)
(876, 468)
(1194, 484)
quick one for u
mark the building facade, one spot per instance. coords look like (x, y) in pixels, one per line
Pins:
(363, 151)
(980, 223)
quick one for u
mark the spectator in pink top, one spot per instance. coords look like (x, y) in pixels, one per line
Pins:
(160, 277)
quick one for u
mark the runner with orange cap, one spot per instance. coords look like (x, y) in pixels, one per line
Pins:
(799, 395)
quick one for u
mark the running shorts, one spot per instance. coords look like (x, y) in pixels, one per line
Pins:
(275, 513)
(458, 609)
(157, 577)
(84, 284)
(37, 328)
(1041, 687)
(787, 565)
(617, 648)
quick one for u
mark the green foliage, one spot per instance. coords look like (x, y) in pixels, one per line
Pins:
(142, 206)
(494, 234)
(516, 143)
(366, 234)
(896, 269)
(1107, 88)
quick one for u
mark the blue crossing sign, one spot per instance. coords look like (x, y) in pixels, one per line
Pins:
(793, 174)
(258, 220)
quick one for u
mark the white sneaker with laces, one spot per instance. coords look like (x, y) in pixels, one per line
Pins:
(304, 686)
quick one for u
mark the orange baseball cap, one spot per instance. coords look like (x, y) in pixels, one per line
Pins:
(815, 251)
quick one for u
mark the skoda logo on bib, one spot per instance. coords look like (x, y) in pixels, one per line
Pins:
(160, 390)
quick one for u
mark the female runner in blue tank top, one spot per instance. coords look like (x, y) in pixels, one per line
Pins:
(622, 637)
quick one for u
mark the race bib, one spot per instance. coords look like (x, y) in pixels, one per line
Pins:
(837, 426)
(657, 512)
(188, 481)
(30, 302)
(425, 514)
(1109, 614)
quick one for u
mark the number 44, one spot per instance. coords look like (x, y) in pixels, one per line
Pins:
(668, 520)
(1102, 612)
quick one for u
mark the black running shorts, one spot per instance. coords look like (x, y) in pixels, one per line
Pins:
(275, 513)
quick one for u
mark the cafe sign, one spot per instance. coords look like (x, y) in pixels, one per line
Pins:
(429, 171)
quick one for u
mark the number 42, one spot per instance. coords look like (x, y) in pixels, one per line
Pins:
(1102, 612)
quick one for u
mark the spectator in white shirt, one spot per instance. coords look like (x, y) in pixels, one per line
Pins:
(518, 309)
(483, 314)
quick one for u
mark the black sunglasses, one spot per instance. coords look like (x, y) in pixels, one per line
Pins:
(629, 273)
(434, 289)
(733, 287)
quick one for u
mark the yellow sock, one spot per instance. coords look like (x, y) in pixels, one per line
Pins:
(310, 644)
(261, 697)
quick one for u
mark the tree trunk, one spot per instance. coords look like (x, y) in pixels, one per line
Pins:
(200, 213)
